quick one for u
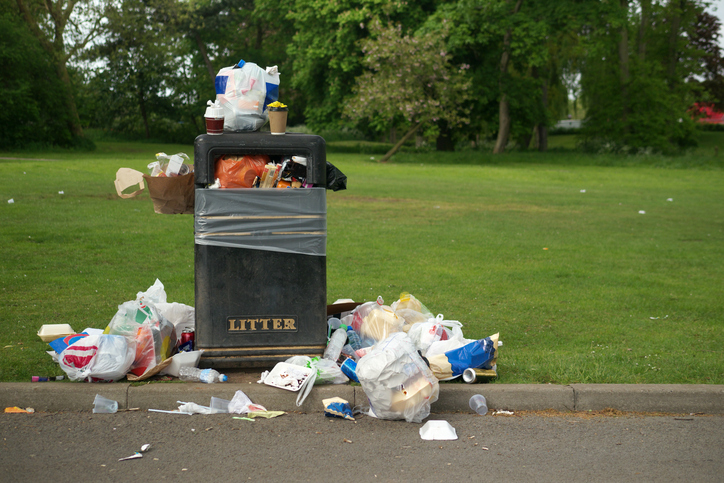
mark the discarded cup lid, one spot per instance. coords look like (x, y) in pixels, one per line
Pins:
(438, 430)
(214, 111)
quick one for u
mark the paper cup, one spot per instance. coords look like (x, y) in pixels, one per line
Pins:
(214, 125)
(278, 121)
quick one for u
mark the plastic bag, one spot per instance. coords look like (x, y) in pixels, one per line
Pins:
(98, 358)
(180, 315)
(240, 171)
(411, 310)
(244, 91)
(397, 381)
(154, 336)
(336, 179)
(423, 334)
(477, 354)
(373, 320)
(241, 404)
(328, 372)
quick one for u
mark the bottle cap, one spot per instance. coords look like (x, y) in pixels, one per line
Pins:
(223, 378)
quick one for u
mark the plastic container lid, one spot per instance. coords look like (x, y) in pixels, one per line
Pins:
(214, 111)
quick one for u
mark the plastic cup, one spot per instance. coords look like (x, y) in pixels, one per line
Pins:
(220, 405)
(103, 405)
(478, 404)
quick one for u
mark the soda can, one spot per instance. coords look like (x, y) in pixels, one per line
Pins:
(187, 341)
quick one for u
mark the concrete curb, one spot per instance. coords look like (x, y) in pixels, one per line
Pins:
(668, 398)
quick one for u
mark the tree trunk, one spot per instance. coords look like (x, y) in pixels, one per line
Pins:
(56, 49)
(73, 120)
(207, 61)
(541, 132)
(144, 114)
(399, 144)
(541, 135)
(444, 140)
(677, 8)
(623, 65)
(643, 27)
(504, 114)
(503, 126)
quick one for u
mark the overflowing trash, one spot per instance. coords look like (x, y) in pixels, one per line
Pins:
(138, 342)
(398, 354)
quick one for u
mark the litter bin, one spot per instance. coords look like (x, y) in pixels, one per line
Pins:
(260, 256)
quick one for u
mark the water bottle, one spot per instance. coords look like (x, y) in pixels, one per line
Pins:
(334, 348)
(194, 374)
(354, 339)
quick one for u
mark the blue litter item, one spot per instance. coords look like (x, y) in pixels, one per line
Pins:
(477, 354)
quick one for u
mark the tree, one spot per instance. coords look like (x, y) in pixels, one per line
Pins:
(31, 97)
(635, 93)
(54, 23)
(325, 55)
(409, 81)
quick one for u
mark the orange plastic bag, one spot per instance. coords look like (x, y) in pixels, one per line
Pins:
(240, 171)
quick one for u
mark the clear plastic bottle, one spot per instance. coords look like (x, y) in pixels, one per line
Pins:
(336, 342)
(194, 374)
(354, 339)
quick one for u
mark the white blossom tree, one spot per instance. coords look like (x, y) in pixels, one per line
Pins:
(409, 81)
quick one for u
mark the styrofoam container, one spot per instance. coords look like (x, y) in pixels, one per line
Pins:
(50, 332)
(288, 376)
(182, 359)
(438, 430)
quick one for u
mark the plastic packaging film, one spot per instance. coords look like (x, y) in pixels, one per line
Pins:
(289, 221)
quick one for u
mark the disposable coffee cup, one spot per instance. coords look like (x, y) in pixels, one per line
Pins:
(278, 120)
(103, 405)
(214, 117)
(478, 404)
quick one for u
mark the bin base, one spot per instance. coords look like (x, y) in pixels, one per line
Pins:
(254, 357)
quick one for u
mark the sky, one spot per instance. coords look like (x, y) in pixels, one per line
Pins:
(717, 9)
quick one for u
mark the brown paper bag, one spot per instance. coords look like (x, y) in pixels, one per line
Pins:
(127, 177)
(173, 195)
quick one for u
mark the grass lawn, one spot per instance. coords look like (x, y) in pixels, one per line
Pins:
(549, 249)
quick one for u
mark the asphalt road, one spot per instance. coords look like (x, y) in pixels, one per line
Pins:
(537, 447)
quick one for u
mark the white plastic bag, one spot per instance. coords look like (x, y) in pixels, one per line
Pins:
(182, 316)
(244, 90)
(396, 380)
(98, 358)
(328, 372)
(455, 338)
(241, 404)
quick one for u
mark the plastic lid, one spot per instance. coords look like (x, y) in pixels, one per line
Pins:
(300, 160)
(214, 111)
(223, 378)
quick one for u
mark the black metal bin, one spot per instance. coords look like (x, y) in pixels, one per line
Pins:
(260, 256)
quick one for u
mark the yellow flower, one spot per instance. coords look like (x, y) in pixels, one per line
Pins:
(276, 104)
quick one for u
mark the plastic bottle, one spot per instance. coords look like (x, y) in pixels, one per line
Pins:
(336, 342)
(194, 374)
(354, 339)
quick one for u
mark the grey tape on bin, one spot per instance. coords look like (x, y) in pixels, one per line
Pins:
(279, 220)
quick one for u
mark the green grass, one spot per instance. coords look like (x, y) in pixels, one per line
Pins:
(581, 287)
